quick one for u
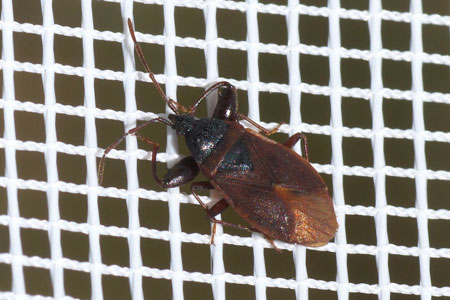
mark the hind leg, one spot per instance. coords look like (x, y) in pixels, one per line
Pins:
(215, 209)
(291, 141)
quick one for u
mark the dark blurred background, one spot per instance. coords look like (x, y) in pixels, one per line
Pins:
(274, 107)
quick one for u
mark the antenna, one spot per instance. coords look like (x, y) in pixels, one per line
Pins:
(173, 105)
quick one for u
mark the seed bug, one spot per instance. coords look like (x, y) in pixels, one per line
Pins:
(274, 189)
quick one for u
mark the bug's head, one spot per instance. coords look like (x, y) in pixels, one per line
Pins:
(182, 124)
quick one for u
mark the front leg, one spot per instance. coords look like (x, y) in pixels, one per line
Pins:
(134, 131)
(181, 173)
(260, 128)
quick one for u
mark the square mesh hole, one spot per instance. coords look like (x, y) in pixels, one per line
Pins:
(404, 269)
(75, 245)
(313, 30)
(114, 251)
(35, 242)
(436, 116)
(31, 165)
(274, 108)
(148, 18)
(67, 13)
(71, 168)
(359, 190)
(319, 147)
(396, 35)
(282, 264)
(196, 257)
(231, 24)
(400, 6)
(439, 271)
(314, 69)
(280, 293)
(240, 291)
(154, 214)
(109, 95)
(156, 253)
(360, 230)
(232, 253)
(190, 22)
(436, 78)
(316, 294)
(435, 38)
(437, 155)
(28, 87)
(190, 62)
(108, 55)
(29, 126)
(355, 73)
(70, 129)
(402, 231)
(73, 207)
(68, 50)
(400, 191)
(69, 90)
(27, 47)
(33, 204)
(354, 4)
(397, 114)
(77, 284)
(113, 211)
(3, 204)
(399, 153)
(354, 34)
(232, 64)
(4, 237)
(357, 152)
(360, 296)
(38, 281)
(321, 265)
(395, 70)
(356, 113)
(5, 274)
(197, 290)
(115, 287)
(362, 269)
(438, 233)
(437, 191)
(273, 68)
(25, 11)
(272, 29)
(315, 109)
(107, 16)
(155, 288)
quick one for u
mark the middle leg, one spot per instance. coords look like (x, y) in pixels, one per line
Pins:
(260, 128)
(215, 209)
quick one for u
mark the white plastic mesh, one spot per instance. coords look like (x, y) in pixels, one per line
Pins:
(16, 279)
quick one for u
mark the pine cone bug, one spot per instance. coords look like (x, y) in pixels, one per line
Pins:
(274, 189)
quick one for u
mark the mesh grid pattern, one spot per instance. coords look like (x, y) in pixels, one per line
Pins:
(11, 183)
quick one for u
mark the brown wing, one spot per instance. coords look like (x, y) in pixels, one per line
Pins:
(276, 191)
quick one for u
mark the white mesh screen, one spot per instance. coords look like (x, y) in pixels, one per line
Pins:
(366, 81)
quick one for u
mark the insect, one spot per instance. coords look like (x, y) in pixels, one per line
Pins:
(274, 189)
